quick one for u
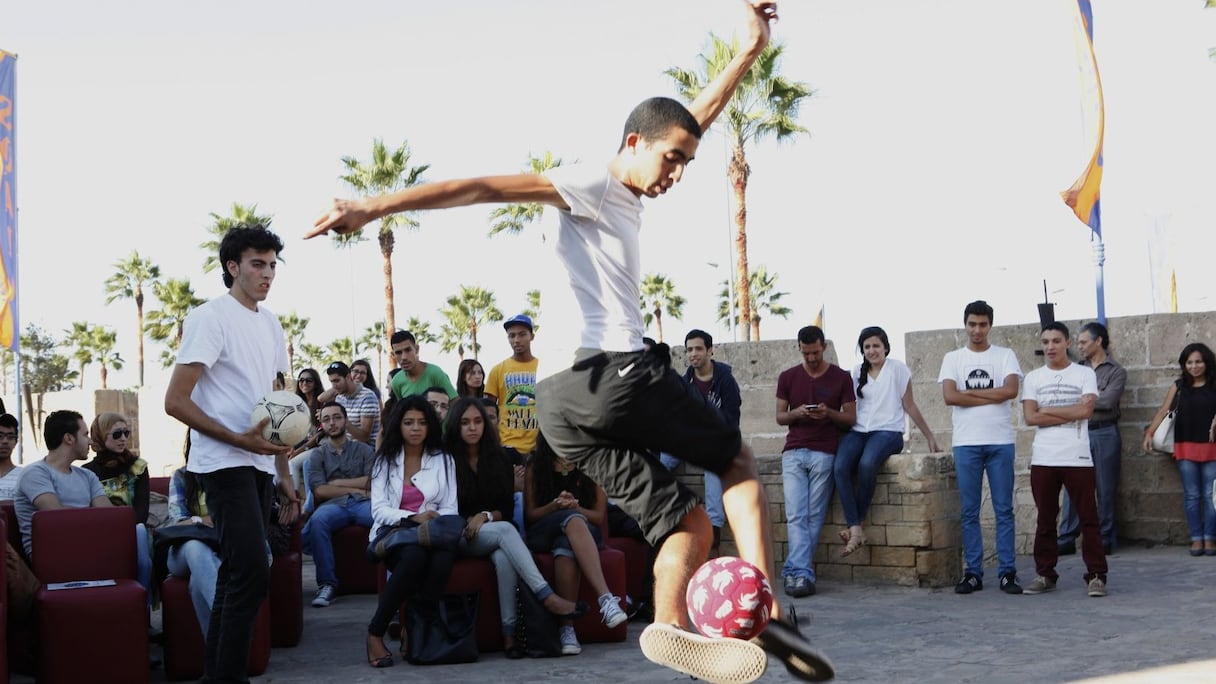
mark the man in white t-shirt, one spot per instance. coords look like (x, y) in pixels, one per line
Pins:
(9, 471)
(232, 348)
(618, 405)
(1058, 400)
(979, 381)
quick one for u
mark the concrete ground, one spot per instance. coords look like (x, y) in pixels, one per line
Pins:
(1158, 614)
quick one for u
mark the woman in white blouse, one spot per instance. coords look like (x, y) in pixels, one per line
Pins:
(884, 398)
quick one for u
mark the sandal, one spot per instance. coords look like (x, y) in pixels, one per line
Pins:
(856, 541)
(382, 661)
(844, 535)
(580, 609)
(515, 651)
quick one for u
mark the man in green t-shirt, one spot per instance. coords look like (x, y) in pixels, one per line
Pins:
(416, 376)
(512, 383)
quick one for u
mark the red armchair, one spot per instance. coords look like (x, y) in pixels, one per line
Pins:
(287, 594)
(590, 628)
(356, 574)
(3, 611)
(472, 574)
(184, 641)
(74, 544)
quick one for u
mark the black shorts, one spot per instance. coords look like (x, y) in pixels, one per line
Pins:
(613, 412)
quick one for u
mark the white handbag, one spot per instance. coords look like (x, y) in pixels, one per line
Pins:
(1163, 436)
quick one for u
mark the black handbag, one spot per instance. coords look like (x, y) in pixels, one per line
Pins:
(441, 631)
(539, 629)
(443, 532)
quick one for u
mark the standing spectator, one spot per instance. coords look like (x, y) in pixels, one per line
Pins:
(1194, 441)
(1105, 444)
(513, 384)
(10, 472)
(470, 379)
(362, 406)
(979, 381)
(815, 399)
(412, 479)
(1058, 400)
(361, 373)
(415, 375)
(884, 402)
(231, 348)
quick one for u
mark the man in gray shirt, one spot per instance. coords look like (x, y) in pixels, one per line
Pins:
(1105, 445)
(338, 471)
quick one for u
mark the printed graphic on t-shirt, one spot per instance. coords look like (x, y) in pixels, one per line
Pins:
(980, 377)
(1057, 392)
(520, 402)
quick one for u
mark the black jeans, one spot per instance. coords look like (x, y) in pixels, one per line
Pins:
(416, 571)
(238, 500)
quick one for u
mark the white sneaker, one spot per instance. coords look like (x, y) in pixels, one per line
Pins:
(323, 597)
(570, 645)
(611, 613)
(720, 661)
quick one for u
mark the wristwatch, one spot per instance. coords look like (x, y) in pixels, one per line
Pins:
(489, 516)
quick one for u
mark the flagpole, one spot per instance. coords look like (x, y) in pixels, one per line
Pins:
(1099, 263)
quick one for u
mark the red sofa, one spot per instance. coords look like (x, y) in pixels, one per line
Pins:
(184, 640)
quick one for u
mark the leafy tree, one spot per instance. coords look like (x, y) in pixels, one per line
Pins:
(104, 340)
(80, 338)
(374, 338)
(7, 358)
(128, 281)
(533, 310)
(293, 329)
(177, 299)
(43, 368)
(241, 215)
(466, 313)
(385, 172)
(764, 298)
(341, 349)
(313, 356)
(765, 105)
(512, 218)
(659, 295)
(421, 330)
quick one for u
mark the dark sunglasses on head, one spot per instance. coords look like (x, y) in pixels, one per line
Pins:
(120, 434)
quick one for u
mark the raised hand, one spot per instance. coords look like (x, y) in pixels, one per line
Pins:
(758, 27)
(344, 217)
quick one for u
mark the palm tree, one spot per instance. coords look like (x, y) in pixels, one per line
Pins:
(341, 349)
(385, 172)
(242, 215)
(764, 298)
(177, 299)
(131, 274)
(293, 330)
(533, 310)
(765, 104)
(80, 338)
(374, 339)
(104, 340)
(659, 294)
(421, 330)
(465, 314)
(312, 356)
(512, 218)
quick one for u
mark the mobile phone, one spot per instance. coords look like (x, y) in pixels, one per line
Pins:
(812, 407)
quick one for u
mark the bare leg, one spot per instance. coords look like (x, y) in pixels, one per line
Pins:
(684, 550)
(583, 545)
(746, 507)
(567, 578)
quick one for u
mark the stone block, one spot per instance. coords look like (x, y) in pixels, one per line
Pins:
(880, 494)
(832, 572)
(944, 534)
(939, 568)
(885, 514)
(904, 577)
(861, 556)
(1166, 338)
(895, 556)
(909, 534)
(1129, 340)
(1157, 505)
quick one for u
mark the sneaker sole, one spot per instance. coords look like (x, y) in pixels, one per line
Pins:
(615, 619)
(1033, 592)
(719, 661)
(572, 650)
(801, 660)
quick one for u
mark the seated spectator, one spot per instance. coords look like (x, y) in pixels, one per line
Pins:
(22, 585)
(10, 472)
(439, 400)
(485, 487)
(124, 477)
(470, 379)
(193, 559)
(564, 510)
(338, 470)
(362, 406)
(412, 479)
(361, 372)
(309, 388)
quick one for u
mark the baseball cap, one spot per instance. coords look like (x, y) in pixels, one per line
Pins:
(519, 319)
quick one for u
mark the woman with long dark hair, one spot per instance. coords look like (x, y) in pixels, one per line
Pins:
(884, 401)
(1194, 441)
(308, 388)
(414, 479)
(485, 487)
(470, 379)
(565, 509)
(361, 373)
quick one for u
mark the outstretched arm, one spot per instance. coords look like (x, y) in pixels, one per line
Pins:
(714, 98)
(346, 216)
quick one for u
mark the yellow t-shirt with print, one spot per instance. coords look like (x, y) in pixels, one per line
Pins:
(513, 384)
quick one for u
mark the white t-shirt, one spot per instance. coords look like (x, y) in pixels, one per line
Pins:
(882, 407)
(1067, 444)
(241, 350)
(990, 423)
(598, 244)
(8, 484)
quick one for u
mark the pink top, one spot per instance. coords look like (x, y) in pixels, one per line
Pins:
(411, 498)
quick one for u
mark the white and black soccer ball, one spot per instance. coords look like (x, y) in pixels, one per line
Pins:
(729, 597)
(289, 417)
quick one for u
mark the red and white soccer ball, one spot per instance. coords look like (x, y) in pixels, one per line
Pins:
(729, 597)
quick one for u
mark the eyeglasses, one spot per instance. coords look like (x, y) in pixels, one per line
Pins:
(8, 435)
(120, 434)
(305, 380)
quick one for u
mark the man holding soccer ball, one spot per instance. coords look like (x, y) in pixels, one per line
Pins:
(231, 349)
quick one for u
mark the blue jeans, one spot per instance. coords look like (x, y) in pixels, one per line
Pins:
(1197, 479)
(318, 533)
(970, 464)
(195, 560)
(143, 559)
(1106, 448)
(806, 476)
(862, 454)
(713, 491)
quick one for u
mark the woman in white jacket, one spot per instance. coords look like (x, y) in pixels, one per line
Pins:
(414, 479)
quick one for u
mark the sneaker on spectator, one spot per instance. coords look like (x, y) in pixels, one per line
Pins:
(1097, 587)
(1009, 583)
(610, 611)
(570, 645)
(323, 597)
(731, 661)
(969, 584)
(798, 587)
(1040, 585)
